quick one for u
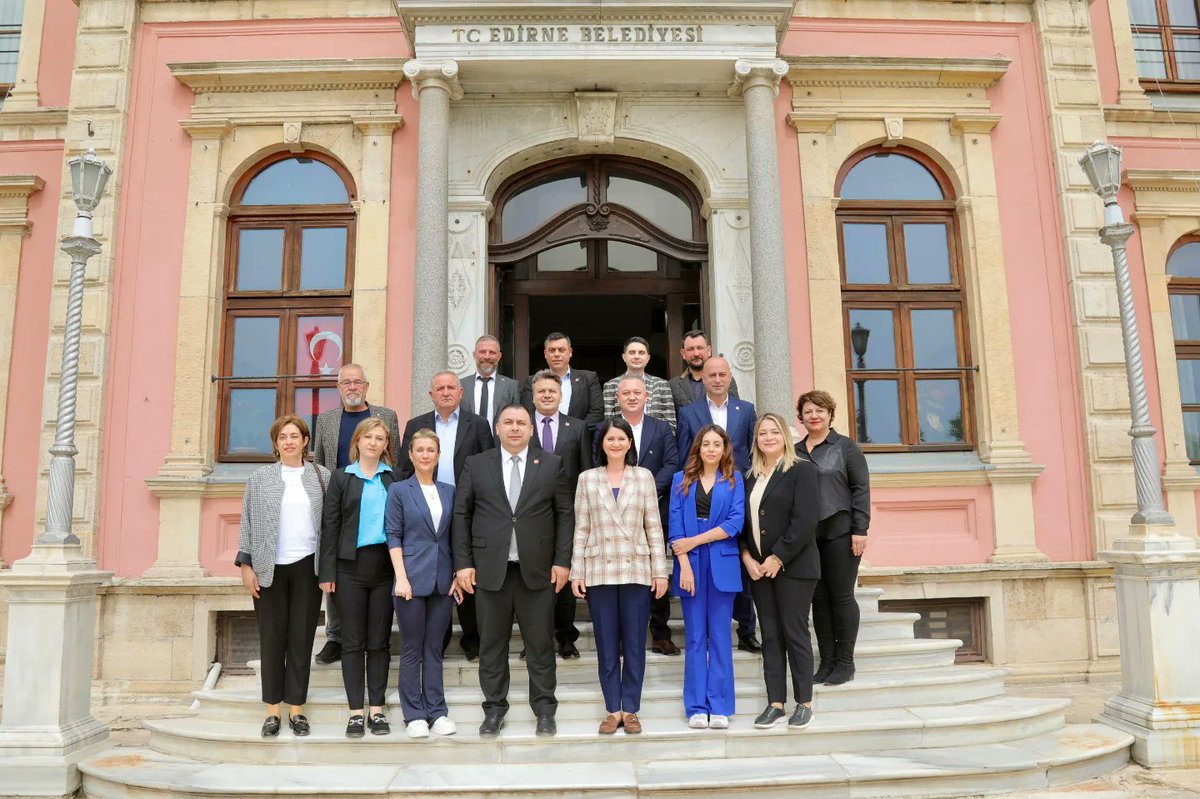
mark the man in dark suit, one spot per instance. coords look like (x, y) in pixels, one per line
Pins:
(582, 397)
(567, 438)
(331, 448)
(487, 390)
(461, 434)
(689, 386)
(654, 444)
(513, 526)
(736, 417)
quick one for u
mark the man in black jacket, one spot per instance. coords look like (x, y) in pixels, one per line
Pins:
(513, 526)
(581, 393)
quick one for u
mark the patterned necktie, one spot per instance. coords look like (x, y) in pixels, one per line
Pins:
(483, 398)
(514, 482)
(547, 435)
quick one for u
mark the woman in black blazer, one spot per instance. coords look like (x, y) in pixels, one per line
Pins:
(357, 569)
(781, 559)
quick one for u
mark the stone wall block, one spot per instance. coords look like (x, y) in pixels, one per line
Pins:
(98, 90)
(1065, 599)
(1109, 438)
(1074, 91)
(1115, 487)
(1028, 639)
(1069, 55)
(1085, 211)
(1025, 600)
(1107, 393)
(1089, 255)
(1099, 301)
(1103, 346)
(99, 50)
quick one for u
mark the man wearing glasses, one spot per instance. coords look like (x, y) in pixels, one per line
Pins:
(331, 449)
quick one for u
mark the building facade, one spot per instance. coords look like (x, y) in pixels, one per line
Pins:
(879, 198)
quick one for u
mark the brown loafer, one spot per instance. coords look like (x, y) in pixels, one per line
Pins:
(633, 724)
(665, 646)
(610, 724)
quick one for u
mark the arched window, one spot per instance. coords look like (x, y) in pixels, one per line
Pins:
(1183, 286)
(288, 280)
(907, 355)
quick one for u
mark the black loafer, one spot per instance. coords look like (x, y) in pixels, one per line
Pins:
(749, 644)
(355, 727)
(546, 726)
(568, 651)
(491, 726)
(330, 653)
(379, 725)
(270, 727)
(299, 725)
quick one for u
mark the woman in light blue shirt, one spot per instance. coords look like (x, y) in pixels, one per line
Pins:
(357, 570)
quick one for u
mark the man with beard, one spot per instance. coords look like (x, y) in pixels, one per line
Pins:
(689, 386)
(487, 390)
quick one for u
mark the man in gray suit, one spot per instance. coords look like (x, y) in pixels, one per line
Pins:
(689, 386)
(487, 390)
(331, 449)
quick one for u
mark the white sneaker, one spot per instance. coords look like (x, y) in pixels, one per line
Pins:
(718, 722)
(698, 722)
(442, 725)
(417, 729)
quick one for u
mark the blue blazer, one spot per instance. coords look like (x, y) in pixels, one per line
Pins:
(728, 512)
(409, 526)
(740, 418)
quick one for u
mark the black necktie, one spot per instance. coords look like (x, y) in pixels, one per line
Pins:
(483, 398)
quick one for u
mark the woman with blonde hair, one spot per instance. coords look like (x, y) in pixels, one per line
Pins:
(278, 543)
(780, 556)
(707, 511)
(357, 570)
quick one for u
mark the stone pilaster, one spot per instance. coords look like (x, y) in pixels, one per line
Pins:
(24, 94)
(730, 290)
(467, 280)
(435, 84)
(757, 82)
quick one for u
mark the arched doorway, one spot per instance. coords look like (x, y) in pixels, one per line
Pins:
(600, 248)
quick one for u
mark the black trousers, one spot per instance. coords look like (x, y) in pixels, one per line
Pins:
(783, 605)
(565, 631)
(287, 623)
(533, 609)
(835, 610)
(364, 603)
(469, 624)
(743, 609)
(660, 609)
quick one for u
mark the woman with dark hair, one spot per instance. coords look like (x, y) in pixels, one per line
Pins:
(845, 512)
(617, 564)
(357, 570)
(707, 511)
(278, 543)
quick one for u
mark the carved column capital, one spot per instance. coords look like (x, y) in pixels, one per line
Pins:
(751, 72)
(441, 73)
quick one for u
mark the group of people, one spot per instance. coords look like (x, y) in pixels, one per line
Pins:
(513, 501)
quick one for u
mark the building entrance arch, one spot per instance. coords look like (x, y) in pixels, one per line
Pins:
(600, 248)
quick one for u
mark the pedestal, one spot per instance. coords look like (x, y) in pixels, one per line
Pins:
(48, 726)
(1158, 606)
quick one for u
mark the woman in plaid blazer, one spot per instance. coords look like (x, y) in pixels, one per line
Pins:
(617, 564)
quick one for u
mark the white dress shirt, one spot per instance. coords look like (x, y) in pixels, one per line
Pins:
(719, 413)
(637, 433)
(506, 468)
(447, 433)
(297, 537)
(490, 410)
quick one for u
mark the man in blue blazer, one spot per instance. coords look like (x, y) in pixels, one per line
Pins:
(736, 417)
(654, 444)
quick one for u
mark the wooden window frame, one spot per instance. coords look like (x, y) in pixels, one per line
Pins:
(901, 298)
(1166, 33)
(286, 304)
(1185, 349)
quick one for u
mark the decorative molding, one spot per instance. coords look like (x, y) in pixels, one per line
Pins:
(1176, 180)
(750, 72)
(206, 128)
(974, 123)
(891, 73)
(44, 124)
(382, 125)
(893, 129)
(293, 132)
(289, 75)
(597, 116)
(812, 122)
(922, 479)
(15, 191)
(441, 73)
(20, 186)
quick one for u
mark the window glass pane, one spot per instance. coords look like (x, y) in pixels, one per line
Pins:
(935, 341)
(312, 401)
(564, 258)
(296, 181)
(939, 411)
(874, 332)
(1185, 316)
(1182, 13)
(866, 248)
(260, 259)
(660, 205)
(251, 411)
(1189, 382)
(1148, 50)
(890, 176)
(255, 346)
(1191, 435)
(322, 258)
(926, 253)
(624, 257)
(10, 44)
(878, 411)
(533, 206)
(1187, 56)
(1185, 261)
(319, 345)
(11, 12)
(1144, 12)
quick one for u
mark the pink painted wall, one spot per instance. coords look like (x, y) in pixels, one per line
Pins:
(26, 377)
(1049, 406)
(1106, 56)
(149, 251)
(58, 52)
(930, 526)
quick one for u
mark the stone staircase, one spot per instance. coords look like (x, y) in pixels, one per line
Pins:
(911, 724)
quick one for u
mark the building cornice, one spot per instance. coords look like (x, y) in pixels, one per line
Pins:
(892, 73)
(1162, 180)
(290, 75)
(43, 124)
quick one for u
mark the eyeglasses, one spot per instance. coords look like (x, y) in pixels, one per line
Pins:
(352, 383)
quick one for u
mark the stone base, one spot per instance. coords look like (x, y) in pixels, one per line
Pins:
(1165, 736)
(40, 775)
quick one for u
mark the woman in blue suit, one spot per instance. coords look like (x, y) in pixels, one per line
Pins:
(707, 510)
(417, 521)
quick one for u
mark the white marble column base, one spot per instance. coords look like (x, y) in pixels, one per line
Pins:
(1163, 737)
(33, 773)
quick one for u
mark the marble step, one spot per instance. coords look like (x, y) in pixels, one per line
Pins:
(987, 721)
(872, 627)
(928, 687)
(1044, 761)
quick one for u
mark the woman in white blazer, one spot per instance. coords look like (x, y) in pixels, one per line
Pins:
(618, 564)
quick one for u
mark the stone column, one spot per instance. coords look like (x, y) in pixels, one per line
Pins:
(757, 82)
(24, 94)
(435, 84)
